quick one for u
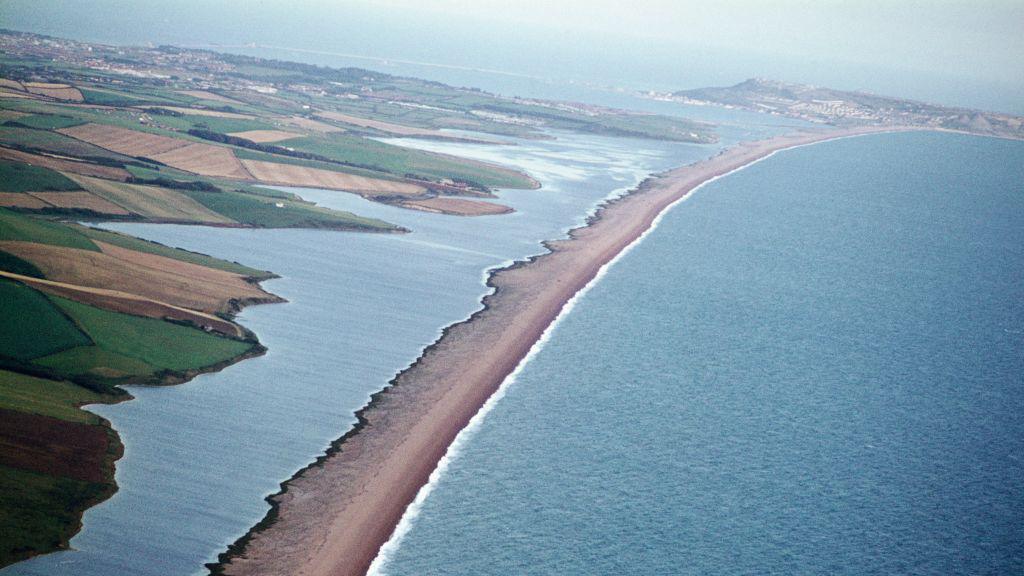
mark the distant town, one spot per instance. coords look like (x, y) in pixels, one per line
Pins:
(842, 108)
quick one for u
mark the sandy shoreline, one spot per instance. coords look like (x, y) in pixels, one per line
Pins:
(332, 517)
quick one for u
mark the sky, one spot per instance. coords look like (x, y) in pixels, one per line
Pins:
(957, 39)
(948, 51)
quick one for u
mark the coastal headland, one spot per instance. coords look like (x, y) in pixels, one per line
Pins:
(332, 517)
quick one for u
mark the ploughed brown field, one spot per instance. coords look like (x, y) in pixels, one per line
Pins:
(58, 91)
(195, 157)
(10, 93)
(82, 201)
(12, 84)
(457, 206)
(292, 175)
(265, 136)
(52, 446)
(6, 115)
(206, 160)
(204, 95)
(148, 275)
(63, 165)
(123, 140)
(21, 200)
(151, 202)
(310, 124)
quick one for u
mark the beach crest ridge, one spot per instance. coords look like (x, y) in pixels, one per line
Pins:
(334, 516)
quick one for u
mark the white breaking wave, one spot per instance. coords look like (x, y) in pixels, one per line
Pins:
(379, 565)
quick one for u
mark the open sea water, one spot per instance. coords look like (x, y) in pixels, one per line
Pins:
(813, 366)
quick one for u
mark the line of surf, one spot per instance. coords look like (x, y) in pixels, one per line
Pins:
(387, 551)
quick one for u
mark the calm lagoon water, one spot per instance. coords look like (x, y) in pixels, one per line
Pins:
(814, 366)
(200, 457)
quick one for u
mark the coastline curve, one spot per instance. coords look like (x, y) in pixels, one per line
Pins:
(338, 515)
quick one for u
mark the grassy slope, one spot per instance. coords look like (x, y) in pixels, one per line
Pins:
(47, 397)
(110, 97)
(19, 177)
(60, 334)
(46, 121)
(27, 229)
(32, 325)
(158, 343)
(94, 360)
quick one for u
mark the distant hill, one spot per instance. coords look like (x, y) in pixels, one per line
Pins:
(844, 108)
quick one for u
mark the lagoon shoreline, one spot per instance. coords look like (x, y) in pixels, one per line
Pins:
(334, 516)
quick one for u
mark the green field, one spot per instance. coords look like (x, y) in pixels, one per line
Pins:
(32, 325)
(27, 229)
(95, 361)
(47, 397)
(111, 98)
(47, 121)
(20, 177)
(45, 509)
(160, 344)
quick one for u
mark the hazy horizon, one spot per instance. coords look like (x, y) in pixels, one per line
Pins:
(406, 287)
(950, 52)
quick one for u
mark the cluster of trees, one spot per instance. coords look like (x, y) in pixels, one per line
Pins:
(163, 112)
(195, 186)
